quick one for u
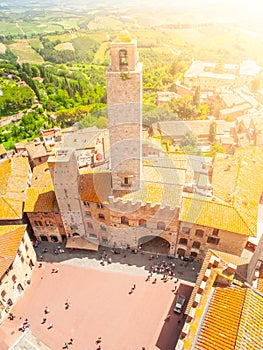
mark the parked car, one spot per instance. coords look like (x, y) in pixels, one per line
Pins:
(178, 308)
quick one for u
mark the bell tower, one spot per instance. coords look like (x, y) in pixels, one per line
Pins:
(124, 99)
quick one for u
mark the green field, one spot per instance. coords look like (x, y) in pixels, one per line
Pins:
(9, 28)
(35, 43)
(102, 54)
(64, 37)
(2, 48)
(65, 46)
(105, 23)
(24, 52)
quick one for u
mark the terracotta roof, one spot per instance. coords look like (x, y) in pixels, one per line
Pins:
(36, 149)
(160, 185)
(95, 186)
(260, 279)
(178, 128)
(2, 150)
(240, 108)
(238, 180)
(10, 238)
(14, 177)
(213, 214)
(234, 320)
(230, 258)
(41, 200)
(11, 209)
(40, 196)
(41, 176)
(231, 100)
(250, 334)
(227, 317)
(82, 138)
(220, 324)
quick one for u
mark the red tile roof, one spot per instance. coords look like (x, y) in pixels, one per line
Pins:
(10, 238)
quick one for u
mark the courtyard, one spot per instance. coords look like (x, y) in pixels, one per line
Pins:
(101, 305)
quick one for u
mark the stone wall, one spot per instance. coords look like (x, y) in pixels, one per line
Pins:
(17, 277)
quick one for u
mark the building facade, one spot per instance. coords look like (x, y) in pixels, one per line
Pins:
(124, 100)
(18, 259)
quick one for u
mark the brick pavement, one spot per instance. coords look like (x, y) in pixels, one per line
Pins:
(101, 303)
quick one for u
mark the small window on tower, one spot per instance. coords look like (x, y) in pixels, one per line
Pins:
(123, 55)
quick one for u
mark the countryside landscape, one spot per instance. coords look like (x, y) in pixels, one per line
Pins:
(131, 161)
(61, 51)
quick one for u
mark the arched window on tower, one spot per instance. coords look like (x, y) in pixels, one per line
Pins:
(124, 220)
(123, 59)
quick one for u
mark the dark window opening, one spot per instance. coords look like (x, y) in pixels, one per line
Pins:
(185, 229)
(43, 238)
(89, 224)
(199, 233)
(183, 241)
(213, 240)
(124, 220)
(215, 232)
(160, 225)
(196, 245)
(123, 56)
(142, 223)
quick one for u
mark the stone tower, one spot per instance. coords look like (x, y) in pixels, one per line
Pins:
(124, 99)
(65, 176)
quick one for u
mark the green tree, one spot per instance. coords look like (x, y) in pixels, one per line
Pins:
(196, 98)
(214, 150)
(212, 132)
(189, 143)
(183, 108)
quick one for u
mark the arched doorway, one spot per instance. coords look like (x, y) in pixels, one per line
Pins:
(43, 238)
(75, 234)
(181, 252)
(154, 244)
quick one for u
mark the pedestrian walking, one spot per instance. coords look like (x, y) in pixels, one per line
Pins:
(98, 340)
(70, 341)
(44, 320)
(167, 317)
(66, 346)
(67, 304)
(155, 280)
(50, 326)
(46, 310)
(134, 287)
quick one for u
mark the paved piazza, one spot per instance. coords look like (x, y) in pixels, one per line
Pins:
(101, 305)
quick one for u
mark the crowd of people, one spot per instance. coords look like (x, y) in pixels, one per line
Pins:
(165, 268)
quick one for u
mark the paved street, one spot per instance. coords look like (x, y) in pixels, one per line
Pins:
(102, 304)
(138, 263)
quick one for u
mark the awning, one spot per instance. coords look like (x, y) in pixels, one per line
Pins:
(82, 243)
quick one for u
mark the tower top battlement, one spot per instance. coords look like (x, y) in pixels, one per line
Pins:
(124, 36)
